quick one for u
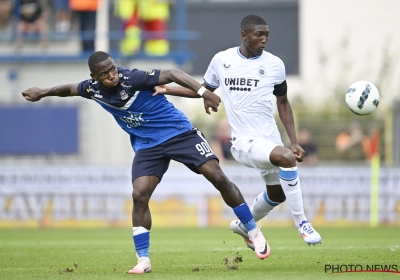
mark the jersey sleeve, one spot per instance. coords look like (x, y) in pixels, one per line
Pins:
(211, 76)
(143, 80)
(280, 87)
(84, 89)
(281, 72)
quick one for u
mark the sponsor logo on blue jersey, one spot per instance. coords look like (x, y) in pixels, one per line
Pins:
(134, 120)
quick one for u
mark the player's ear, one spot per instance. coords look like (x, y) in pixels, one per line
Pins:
(244, 35)
(92, 75)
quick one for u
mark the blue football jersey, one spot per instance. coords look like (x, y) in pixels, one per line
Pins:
(149, 120)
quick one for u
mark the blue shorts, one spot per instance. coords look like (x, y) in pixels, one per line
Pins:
(190, 148)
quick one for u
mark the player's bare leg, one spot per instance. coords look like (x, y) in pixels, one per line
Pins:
(289, 189)
(262, 205)
(143, 188)
(290, 183)
(233, 198)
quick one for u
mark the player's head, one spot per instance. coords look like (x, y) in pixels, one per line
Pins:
(255, 34)
(103, 69)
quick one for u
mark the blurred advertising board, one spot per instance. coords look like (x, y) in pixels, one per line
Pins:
(91, 196)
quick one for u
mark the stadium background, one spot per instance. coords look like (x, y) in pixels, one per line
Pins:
(57, 168)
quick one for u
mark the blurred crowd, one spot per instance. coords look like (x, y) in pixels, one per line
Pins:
(352, 145)
(38, 20)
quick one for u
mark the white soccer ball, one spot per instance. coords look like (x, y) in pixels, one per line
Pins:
(362, 98)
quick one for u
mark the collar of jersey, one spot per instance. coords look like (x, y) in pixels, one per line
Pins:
(242, 56)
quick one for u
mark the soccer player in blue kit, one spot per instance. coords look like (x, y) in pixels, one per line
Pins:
(158, 132)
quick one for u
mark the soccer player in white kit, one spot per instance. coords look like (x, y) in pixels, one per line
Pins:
(249, 77)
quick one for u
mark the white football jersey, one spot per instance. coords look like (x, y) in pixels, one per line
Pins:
(247, 87)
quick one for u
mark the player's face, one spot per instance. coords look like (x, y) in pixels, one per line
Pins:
(256, 39)
(106, 73)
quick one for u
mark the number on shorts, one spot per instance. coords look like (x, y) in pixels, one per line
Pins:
(203, 148)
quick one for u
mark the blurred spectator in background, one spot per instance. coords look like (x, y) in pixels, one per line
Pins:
(148, 16)
(127, 11)
(310, 148)
(154, 15)
(351, 144)
(31, 18)
(5, 12)
(87, 12)
(221, 144)
(63, 15)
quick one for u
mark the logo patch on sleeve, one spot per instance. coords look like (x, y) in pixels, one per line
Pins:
(150, 72)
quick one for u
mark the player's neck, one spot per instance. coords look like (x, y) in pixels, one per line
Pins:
(245, 52)
(109, 91)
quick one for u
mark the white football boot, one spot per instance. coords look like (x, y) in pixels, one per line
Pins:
(143, 266)
(237, 227)
(261, 247)
(309, 234)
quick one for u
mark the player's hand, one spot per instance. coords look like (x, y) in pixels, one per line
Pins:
(211, 100)
(298, 152)
(32, 94)
(161, 89)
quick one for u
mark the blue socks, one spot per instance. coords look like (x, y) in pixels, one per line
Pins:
(246, 218)
(141, 239)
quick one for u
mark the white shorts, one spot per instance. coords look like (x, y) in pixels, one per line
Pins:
(255, 152)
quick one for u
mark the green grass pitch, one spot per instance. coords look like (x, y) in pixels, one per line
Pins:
(210, 253)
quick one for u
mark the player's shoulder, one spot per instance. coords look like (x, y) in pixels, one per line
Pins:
(123, 72)
(272, 58)
(228, 52)
(90, 87)
(223, 56)
(92, 83)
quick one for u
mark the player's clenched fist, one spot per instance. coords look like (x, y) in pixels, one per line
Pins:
(32, 94)
(211, 100)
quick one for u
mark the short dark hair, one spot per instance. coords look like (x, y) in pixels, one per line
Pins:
(95, 58)
(249, 21)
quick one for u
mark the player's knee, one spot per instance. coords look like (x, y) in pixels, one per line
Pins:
(140, 197)
(287, 159)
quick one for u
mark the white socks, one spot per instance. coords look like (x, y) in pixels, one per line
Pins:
(261, 206)
(291, 187)
(139, 230)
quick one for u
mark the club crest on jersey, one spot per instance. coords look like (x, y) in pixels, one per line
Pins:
(124, 95)
(261, 71)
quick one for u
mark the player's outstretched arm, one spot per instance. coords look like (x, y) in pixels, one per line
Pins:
(176, 91)
(35, 93)
(192, 88)
(179, 77)
(209, 96)
(286, 116)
